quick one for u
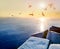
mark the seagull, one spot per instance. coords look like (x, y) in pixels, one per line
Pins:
(43, 14)
(12, 15)
(30, 6)
(31, 14)
(50, 5)
(19, 13)
(54, 8)
(45, 9)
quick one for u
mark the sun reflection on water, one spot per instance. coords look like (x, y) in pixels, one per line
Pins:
(43, 22)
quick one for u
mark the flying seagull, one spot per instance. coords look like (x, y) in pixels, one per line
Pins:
(50, 5)
(12, 15)
(43, 14)
(30, 6)
(31, 14)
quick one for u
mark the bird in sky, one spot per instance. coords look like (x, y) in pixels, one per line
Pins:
(45, 9)
(50, 5)
(31, 14)
(54, 8)
(30, 6)
(43, 14)
(19, 13)
(12, 15)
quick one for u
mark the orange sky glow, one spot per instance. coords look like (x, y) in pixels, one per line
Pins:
(30, 8)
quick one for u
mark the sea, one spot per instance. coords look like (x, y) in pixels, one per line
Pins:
(15, 31)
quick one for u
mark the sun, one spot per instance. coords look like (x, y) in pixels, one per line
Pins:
(42, 5)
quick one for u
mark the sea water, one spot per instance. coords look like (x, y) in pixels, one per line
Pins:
(15, 31)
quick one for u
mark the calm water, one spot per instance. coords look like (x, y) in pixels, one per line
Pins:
(14, 31)
(24, 25)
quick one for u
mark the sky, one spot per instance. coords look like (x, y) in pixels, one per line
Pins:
(25, 8)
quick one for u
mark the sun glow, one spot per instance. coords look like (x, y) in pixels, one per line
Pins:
(42, 5)
(42, 19)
